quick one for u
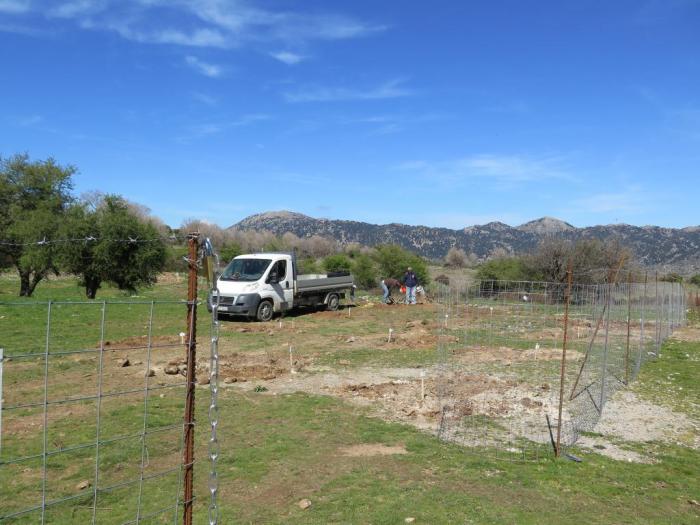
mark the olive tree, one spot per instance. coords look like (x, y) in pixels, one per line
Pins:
(119, 247)
(34, 198)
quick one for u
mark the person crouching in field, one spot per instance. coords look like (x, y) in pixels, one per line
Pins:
(387, 285)
(410, 281)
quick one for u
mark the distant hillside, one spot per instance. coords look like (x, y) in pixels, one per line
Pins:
(666, 249)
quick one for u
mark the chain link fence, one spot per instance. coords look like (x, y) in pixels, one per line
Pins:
(507, 387)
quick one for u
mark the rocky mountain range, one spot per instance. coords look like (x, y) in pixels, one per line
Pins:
(666, 249)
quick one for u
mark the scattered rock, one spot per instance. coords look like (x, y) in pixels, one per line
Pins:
(344, 362)
(229, 380)
(150, 373)
(350, 339)
(175, 362)
(124, 361)
(409, 520)
(136, 363)
(171, 370)
(83, 485)
(243, 330)
(203, 381)
(694, 502)
(304, 504)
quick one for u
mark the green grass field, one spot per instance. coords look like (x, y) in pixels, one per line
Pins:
(277, 449)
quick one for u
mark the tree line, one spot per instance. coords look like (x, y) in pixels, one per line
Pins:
(45, 230)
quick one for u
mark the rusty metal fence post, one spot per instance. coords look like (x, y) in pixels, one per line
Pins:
(569, 280)
(188, 459)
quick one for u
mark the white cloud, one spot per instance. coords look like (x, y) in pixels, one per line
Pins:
(76, 8)
(503, 168)
(205, 129)
(288, 57)
(206, 69)
(31, 120)
(14, 6)
(205, 99)
(201, 23)
(390, 89)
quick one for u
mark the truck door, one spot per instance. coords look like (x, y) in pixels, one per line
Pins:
(284, 288)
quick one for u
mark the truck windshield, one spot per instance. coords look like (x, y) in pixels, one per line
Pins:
(245, 269)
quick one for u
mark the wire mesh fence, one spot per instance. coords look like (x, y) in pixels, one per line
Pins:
(506, 385)
(92, 427)
(92, 397)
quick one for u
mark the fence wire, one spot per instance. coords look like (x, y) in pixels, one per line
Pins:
(92, 412)
(500, 358)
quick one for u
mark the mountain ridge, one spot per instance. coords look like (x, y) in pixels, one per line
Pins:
(666, 249)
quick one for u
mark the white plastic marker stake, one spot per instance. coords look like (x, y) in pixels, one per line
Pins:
(291, 361)
(391, 331)
(446, 317)
(537, 346)
(182, 338)
(422, 385)
(349, 311)
(280, 323)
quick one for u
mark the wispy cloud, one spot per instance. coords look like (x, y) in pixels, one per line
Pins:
(515, 107)
(388, 124)
(390, 89)
(288, 57)
(206, 69)
(14, 6)
(205, 129)
(205, 99)
(511, 169)
(628, 200)
(29, 121)
(200, 23)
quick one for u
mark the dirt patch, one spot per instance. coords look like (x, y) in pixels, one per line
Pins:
(688, 334)
(477, 354)
(372, 449)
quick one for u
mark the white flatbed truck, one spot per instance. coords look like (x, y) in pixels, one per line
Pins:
(259, 285)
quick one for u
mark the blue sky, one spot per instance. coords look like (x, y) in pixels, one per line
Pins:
(437, 113)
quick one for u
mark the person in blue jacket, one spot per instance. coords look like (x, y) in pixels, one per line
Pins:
(410, 281)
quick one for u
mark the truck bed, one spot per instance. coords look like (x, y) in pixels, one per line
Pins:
(322, 282)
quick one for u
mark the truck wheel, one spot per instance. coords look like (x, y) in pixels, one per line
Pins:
(333, 302)
(265, 311)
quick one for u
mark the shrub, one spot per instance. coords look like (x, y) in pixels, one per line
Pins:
(307, 265)
(695, 279)
(337, 263)
(228, 252)
(456, 258)
(503, 269)
(365, 271)
(393, 261)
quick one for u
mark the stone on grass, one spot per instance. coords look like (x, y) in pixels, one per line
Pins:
(304, 504)
(83, 485)
(171, 370)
